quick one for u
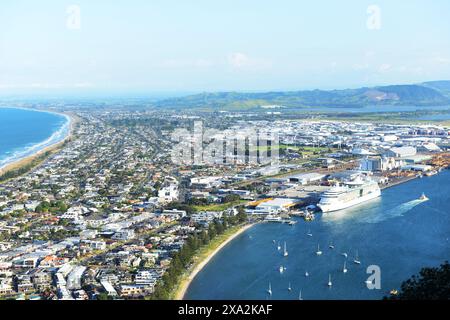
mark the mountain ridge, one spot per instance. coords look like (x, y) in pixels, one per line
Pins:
(430, 93)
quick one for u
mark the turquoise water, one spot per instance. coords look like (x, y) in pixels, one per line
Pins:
(23, 132)
(396, 232)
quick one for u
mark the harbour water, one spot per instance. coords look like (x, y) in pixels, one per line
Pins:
(23, 132)
(396, 232)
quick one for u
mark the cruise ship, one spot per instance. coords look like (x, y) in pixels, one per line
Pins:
(349, 194)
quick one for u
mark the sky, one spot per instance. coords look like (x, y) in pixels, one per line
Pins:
(151, 46)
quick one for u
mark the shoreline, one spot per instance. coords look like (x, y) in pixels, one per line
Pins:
(24, 160)
(398, 182)
(186, 281)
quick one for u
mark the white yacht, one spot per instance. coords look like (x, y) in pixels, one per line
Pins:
(356, 260)
(344, 270)
(318, 252)
(349, 194)
(269, 291)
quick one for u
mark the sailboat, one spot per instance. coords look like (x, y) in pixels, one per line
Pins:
(300, 295)
(269, 291)
(329, 280)
(281, 269)
(289, 288)
(309, 234)
(279, 246)
(285, 253)
(344, 254)
(331, 246)
(318, 252)
(344, 270)
(356, 260)
(306, 274)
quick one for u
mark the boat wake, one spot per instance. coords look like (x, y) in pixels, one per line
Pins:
(395, 212)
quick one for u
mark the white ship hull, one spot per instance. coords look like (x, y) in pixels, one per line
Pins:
(339, 205)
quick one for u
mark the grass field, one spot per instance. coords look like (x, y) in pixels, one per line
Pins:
(218, 206)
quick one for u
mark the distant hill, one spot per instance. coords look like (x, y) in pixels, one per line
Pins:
(426, 94)
(442, 86)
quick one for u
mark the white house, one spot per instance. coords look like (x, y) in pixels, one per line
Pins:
(174, 212)
(168, 193)
(125, 234)
(205, 182)
(74, 278)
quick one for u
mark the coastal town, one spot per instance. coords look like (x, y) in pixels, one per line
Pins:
(110, 214)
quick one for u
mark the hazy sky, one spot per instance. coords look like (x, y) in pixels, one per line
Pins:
(211, 45)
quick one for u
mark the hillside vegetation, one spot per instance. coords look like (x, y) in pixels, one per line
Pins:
(426, 94)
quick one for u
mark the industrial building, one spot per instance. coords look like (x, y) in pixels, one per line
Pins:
(307, 178)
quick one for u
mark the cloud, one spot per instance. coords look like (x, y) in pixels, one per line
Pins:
(440, 60)
(360, 66)
(385, 67)
(239, 60)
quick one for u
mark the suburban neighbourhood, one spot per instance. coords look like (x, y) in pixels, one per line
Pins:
(104, 215)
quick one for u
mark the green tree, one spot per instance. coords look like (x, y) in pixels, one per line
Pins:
(103, 296)
(231, 198)
(204, 237)
(218, 226)
(225, 221)
(241, 216)
(429, 284)
(212, 232)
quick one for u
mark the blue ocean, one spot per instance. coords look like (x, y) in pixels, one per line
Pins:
(24, 132)
(397, 233)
